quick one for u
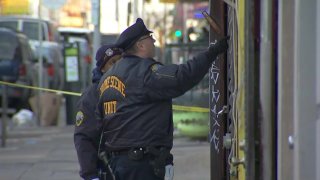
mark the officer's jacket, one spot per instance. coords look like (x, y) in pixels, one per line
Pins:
(87, 133)
(135, 101)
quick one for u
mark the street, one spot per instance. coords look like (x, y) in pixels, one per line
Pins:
(48, 153)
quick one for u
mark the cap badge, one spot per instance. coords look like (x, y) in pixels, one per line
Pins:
(109, 52)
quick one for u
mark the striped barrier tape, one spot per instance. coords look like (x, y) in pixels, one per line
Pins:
(41, 89)
(189, 108)
(174, 107)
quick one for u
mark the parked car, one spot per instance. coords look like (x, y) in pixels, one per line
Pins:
(49, 47)
(52, 63)
(30, 27)
(16, 66)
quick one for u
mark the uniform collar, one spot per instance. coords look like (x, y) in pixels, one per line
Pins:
(130, 56)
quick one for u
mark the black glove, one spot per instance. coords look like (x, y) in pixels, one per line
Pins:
(215, 49)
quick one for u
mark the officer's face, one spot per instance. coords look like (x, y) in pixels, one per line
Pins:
(147, 44)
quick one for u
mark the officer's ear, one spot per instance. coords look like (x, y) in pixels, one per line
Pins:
(139, 44)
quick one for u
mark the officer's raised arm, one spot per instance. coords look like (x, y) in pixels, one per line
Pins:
(169, 81)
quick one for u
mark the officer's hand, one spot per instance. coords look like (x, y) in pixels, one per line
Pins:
(218, 47)
(169, 172)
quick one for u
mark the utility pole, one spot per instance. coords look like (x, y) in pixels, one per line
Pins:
(135, 7)
(40, 44)
(218, 99)
(40, 63)
(117, 14)
(96, 22)
(4, 115)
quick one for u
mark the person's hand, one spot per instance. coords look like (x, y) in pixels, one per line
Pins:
(217, 48)
(169, 172)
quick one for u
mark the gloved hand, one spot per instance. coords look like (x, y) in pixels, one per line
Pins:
(215, 49)
(169, 172)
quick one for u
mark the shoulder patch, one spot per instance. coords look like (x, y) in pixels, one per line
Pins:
(155, 67)
(79, 118)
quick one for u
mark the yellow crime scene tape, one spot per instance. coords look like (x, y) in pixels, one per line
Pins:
(174, 107)
(189, 108)
(41, 89)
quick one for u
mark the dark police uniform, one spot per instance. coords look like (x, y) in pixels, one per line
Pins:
(88, 129)
(87, 135)
(136, 108)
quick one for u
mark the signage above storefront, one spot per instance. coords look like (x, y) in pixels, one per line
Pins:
(56, 4)
(16, 7)
(183, 1)
(168, 1)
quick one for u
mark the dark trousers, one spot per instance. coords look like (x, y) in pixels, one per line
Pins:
(104, 172)
(126, 169)
(105, 175)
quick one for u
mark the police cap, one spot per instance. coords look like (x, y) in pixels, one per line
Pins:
(132, 34)
(105, 53)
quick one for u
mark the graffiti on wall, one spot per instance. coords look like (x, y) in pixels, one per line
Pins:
(215, 95)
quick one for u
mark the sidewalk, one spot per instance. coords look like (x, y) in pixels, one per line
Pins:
(48, 153)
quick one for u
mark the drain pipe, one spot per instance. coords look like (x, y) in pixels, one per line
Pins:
(267, 90)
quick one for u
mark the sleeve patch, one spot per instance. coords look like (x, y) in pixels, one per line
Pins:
(79, 118)
(155, 67)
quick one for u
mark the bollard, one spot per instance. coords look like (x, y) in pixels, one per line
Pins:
(4, 116)
(62, 122)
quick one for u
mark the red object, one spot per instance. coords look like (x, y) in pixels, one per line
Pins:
(88, 59)
(50, 70)
(22, 70)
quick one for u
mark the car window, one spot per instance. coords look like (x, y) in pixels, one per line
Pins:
(9, 24)
(31, 56)
(31, 29)
(25, 50)
(8, 50)
(53, 31)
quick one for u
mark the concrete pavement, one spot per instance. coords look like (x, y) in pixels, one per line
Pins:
(47, 153)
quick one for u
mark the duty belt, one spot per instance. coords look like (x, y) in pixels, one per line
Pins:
(160, 157)
(138, 150)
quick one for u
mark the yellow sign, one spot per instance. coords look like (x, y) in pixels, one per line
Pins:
(10, 7)
(168, 1)
(182, 1)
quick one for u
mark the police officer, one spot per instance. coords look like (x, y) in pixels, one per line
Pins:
(135, 103)
(87, 131)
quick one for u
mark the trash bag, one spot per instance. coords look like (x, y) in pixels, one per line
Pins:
(23, 118)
